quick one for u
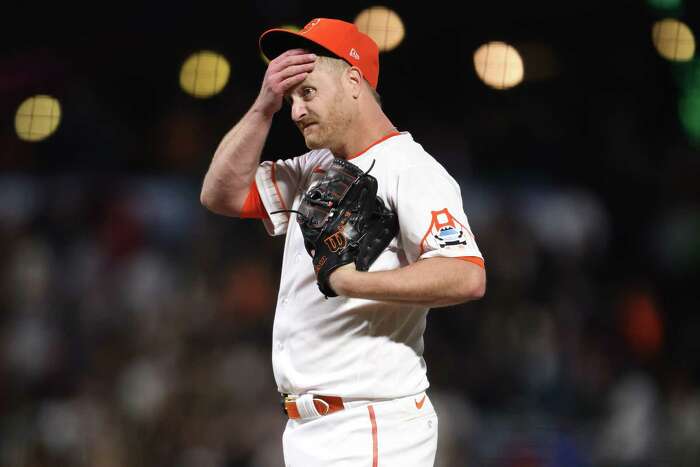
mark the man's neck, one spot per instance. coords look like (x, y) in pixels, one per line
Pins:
(364, 135)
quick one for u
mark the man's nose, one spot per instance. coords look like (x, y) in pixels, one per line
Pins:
(298, 111)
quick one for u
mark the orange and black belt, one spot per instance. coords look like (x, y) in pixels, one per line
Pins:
(310, 405)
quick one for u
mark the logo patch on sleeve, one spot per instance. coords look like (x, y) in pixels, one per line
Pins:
(447, 230)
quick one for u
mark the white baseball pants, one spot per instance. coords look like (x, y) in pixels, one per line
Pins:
(394, 433)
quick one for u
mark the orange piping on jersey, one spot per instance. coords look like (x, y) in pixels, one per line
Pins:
(422, 242)
(383, 138)
(277, 189)
(473, 259)
(253, 207)
(375, 441)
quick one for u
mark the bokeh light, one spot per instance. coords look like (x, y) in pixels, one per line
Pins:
(689, 113)
(665, 5)
(641, 323)
(383, 25)
(204, 74)
(673, 40)
(499, 65)
(37, 118)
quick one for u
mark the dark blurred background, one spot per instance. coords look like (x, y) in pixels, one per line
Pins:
(135, 326)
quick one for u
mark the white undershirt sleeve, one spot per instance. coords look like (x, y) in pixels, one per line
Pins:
(277, 184)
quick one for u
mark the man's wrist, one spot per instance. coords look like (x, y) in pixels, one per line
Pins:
(340, 279)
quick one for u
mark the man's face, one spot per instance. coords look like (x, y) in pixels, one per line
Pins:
(320, 109)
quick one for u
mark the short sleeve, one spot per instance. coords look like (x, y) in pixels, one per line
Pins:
(432, 221)
(277, 183)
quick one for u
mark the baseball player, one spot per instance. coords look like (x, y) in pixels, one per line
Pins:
(349, 367)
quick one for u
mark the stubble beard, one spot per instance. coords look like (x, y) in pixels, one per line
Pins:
(331, 132)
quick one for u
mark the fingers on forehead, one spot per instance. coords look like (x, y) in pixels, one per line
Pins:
(298, 51)
(295, 58)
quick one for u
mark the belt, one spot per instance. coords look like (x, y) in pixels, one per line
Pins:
(310, 405)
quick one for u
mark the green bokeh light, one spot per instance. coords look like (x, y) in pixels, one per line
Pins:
(686, 74)
(665, 5)
(689, 102)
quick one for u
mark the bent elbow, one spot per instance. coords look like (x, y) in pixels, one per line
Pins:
(216, 206)
(205, 199)
(473, 288)
(479, 290)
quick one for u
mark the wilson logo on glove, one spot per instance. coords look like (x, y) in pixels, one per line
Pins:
(343, 221)
(336, 242)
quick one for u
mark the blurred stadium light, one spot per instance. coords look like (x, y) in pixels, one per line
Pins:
(204, 74)
(499, 65)
(673, 40)
(37, 118)
(383, 25)
(688, 74)
(665, 5)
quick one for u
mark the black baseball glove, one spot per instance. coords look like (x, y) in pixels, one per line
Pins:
(343, 221)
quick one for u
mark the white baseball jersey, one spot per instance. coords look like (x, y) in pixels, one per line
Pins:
(356, 348)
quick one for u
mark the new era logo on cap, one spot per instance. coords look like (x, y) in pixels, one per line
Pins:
(354, 54)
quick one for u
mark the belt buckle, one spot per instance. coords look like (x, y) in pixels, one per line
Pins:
(283, 401)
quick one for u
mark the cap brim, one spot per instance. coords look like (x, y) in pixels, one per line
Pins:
(274, 42)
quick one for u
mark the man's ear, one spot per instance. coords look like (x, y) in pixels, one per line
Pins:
(354, 79)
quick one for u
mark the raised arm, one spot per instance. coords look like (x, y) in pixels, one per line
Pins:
(237, 157)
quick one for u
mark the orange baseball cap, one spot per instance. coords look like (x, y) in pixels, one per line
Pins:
(341, 39)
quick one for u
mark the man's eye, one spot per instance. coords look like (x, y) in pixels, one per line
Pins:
(307, 92)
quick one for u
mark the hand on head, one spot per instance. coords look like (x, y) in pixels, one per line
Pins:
(283, 73)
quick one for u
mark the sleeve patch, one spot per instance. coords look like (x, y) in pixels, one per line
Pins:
(444, 231)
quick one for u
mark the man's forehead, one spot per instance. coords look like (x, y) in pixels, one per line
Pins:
(312, 79)
(296, 88)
